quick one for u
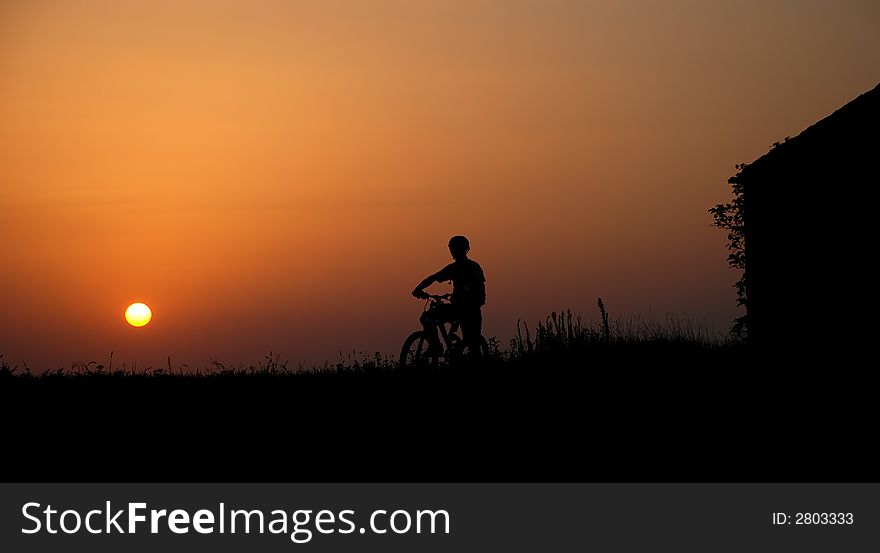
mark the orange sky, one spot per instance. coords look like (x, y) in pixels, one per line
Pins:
(279, 175)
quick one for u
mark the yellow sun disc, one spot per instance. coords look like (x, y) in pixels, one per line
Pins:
(138, 314)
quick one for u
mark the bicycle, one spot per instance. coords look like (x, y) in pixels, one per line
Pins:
(417, 351)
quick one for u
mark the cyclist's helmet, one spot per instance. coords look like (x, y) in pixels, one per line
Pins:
(459, 245)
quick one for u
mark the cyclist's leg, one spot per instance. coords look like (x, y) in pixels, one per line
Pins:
(471, 321)
(429, 324)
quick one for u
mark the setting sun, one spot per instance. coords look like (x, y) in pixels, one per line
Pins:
(138, 314)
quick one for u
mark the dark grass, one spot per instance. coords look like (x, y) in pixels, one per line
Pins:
(565, 400)
(563, 339)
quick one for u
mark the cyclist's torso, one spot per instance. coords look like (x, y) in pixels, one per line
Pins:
(468, 283)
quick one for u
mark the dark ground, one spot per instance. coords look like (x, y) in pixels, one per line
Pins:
(632, 414)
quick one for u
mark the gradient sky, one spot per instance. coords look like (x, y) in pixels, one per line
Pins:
(280, 174)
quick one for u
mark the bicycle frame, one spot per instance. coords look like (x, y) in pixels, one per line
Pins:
(450, 336)
(437, 336)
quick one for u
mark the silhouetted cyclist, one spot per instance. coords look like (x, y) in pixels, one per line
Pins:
(468, 295)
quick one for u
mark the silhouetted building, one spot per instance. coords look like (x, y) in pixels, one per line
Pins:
(811, 235)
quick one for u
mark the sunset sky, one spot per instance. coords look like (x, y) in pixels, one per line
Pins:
(279, 175)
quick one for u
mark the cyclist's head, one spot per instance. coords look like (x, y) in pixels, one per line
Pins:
(459, 246)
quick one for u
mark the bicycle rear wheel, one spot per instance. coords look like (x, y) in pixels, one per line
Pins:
(416, 352)
(462, 352)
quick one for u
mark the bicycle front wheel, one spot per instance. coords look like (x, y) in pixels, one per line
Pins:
(416, 352)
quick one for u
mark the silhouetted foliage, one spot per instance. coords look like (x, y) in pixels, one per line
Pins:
(729, 216)
(605, 327)
(563, 335)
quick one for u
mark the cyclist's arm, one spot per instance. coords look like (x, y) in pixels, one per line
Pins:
(419, 290)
